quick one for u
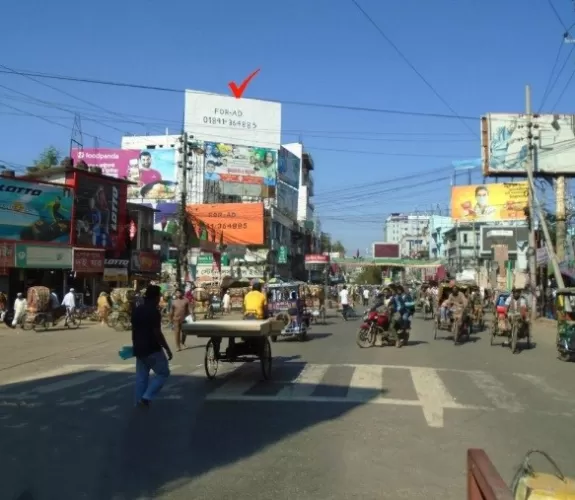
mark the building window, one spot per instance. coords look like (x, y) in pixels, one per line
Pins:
(464, 238)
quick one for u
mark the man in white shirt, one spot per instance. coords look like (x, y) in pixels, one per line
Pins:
(20, 305)
(365, 297)
(344, 301)
(69, 303)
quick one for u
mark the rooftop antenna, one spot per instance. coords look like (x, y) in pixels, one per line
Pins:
(77, 137)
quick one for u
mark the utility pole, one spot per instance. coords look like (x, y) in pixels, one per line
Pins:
(561, 212)
(535, 209)
(532, 255)
(182, 244)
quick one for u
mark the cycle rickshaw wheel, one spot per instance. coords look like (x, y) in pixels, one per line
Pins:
(211, 360)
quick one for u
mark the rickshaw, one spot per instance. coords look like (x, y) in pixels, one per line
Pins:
(457, 322)
(565, 303)
(514, 325)
(40, 314)
(500, 326)
(285, 303)
(315, 303)
(122, 304)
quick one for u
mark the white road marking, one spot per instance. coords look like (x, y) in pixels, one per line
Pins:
(366, 383)
(57, 372)
(544, 386)
(94, 373)
(305, 383)
(495, 391)
(432, 394)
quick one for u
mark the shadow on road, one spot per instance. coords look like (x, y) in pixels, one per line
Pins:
(61, 439)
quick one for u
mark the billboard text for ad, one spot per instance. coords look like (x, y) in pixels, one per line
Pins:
(152, 170)
(100, 212)
(238, 223)
(505, 144)
(35, 211)
(489, 202)
(221, 118)
(240, 164)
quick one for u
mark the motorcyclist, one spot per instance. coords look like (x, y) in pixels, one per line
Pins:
(397, 305)
(410, 308)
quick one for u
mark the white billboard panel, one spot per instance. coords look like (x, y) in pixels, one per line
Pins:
(225, 119)
(505, 144)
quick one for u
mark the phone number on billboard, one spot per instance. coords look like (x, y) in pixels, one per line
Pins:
(208, 120)
(235, 225)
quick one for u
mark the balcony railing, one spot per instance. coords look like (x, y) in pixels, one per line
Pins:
(483, 480)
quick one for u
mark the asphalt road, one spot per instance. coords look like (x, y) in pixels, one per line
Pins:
(337, 422)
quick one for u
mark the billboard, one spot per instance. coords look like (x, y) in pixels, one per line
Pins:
(100, 212)
(229, 163)
(35, 211)
(489, 202)
(286, 200)
(386, 250)
(222, 118)
(505, 144)
(289, 166)
(153, 171)
(502, 235)
(235, 223)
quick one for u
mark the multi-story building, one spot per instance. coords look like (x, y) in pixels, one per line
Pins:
(410, 231)
(101, 239)
(438, 225)
(397, 226)
(461, 247)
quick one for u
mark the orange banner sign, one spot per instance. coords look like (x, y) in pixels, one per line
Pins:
(238, 223)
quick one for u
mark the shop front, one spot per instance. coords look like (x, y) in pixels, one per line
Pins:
(7, 262)
(116, 271)
(87, 271)
(40, 265)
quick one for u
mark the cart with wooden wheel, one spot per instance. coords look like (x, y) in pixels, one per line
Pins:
(248, 341)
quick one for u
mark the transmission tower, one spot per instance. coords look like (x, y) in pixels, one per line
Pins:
(77, 138)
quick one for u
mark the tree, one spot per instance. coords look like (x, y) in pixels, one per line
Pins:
(325, 242)
(337, 246)
(369, 275)
(47, 159)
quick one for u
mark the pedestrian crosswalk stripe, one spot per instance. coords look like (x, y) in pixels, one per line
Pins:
(366, 383)
(305, 383)
(496, 392)
(544, 386)
(432, 394)
(57, 372)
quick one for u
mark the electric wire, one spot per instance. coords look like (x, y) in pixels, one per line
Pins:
(285, 102)
(560, 72)
(64, 92)
(412, 66)
(565, 87)
(557, 16)
(550, 79)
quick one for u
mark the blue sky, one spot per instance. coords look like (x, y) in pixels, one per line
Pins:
(477, 55)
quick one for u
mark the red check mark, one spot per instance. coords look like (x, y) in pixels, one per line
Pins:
(239, 91)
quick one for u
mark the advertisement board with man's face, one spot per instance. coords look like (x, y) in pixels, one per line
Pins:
(489, 202)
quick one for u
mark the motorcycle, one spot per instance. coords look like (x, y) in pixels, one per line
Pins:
(374, 324)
